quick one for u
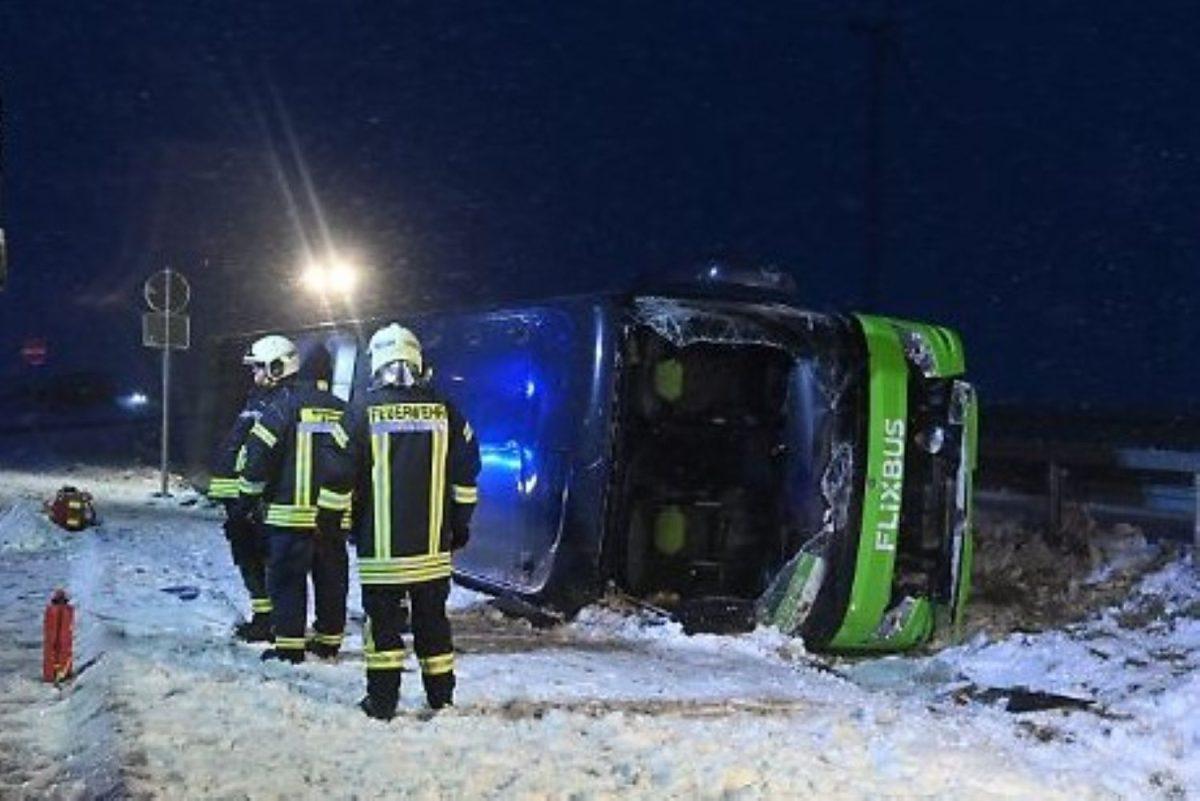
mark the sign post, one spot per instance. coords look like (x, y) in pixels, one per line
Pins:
(166, 327)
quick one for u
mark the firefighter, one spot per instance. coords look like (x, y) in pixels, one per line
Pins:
(290, 451)
(330, 561)
(414, 467)
(243, 530)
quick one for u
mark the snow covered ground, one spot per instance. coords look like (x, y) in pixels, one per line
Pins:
(611, 705)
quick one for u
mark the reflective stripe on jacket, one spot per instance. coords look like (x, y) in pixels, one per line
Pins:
(415, 467)
(230, 453)
(292, 452)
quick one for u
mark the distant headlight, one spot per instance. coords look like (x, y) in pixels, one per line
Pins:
(133, 401)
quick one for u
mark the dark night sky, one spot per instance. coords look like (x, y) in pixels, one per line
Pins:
(1039, 181)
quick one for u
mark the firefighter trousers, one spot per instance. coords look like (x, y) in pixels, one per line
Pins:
(331, 583)
(293, 553)
(248, 549)
(383, 641)
(290, 555)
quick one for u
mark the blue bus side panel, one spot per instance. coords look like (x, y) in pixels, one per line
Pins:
(527, 381)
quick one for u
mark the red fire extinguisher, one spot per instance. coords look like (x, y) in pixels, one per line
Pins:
(58, 631)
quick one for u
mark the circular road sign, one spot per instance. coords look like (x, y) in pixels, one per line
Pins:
(167, 291)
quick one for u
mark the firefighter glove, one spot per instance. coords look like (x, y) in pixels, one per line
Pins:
(241, 510)
(459, 538)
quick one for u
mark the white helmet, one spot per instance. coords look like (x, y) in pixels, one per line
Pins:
(394, 343)
(276, 354)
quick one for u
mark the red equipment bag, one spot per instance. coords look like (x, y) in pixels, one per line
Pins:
(58, 633)
(72, 509)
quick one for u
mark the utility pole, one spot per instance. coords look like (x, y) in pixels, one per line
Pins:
(165, 428)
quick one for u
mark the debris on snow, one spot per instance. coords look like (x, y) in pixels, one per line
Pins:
(1022, 583)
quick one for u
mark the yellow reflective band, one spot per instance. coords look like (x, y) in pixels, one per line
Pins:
(291, 518)
(286, 516)
(381, 487)
(444, 436)
(404, 578)
(334, 501)
(437, 478)
(405, 562)
(246, 487)
(437, 665)
(468, 434)
(323, 421)
(306, 492)
(222, 487)
(314, 420)
(409, 573)
(340, 436)
(239, 464)
(368, 638)
(464, 494)
(327, 639)
(387, 496)
(384, 660)
(289, 643)
(260, 605)
(303, 483)
(287, 508)
(264, 433)
(317, 414)
(404, 575)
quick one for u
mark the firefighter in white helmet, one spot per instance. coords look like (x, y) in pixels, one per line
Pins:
(243, 528)
(415, 462)
(272, 358)
(292, 453)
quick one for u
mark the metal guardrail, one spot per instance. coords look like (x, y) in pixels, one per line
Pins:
(1057, 458)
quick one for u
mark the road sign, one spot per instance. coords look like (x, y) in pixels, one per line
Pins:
(162, 330)
(166, 328)
(167, 291)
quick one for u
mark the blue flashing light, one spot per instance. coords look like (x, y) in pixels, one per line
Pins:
(500, 457)
(513, 462)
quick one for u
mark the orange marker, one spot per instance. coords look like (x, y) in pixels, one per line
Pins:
(58, 632)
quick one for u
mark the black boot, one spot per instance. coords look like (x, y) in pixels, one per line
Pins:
(256, 629)
(439, 690)
(321, 650)
(374, 710)
(283, 655)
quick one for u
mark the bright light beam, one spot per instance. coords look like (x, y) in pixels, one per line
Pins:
(337, 276)
(315, 279)
(343, 277)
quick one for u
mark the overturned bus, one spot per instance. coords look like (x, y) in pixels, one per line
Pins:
(814, 470)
